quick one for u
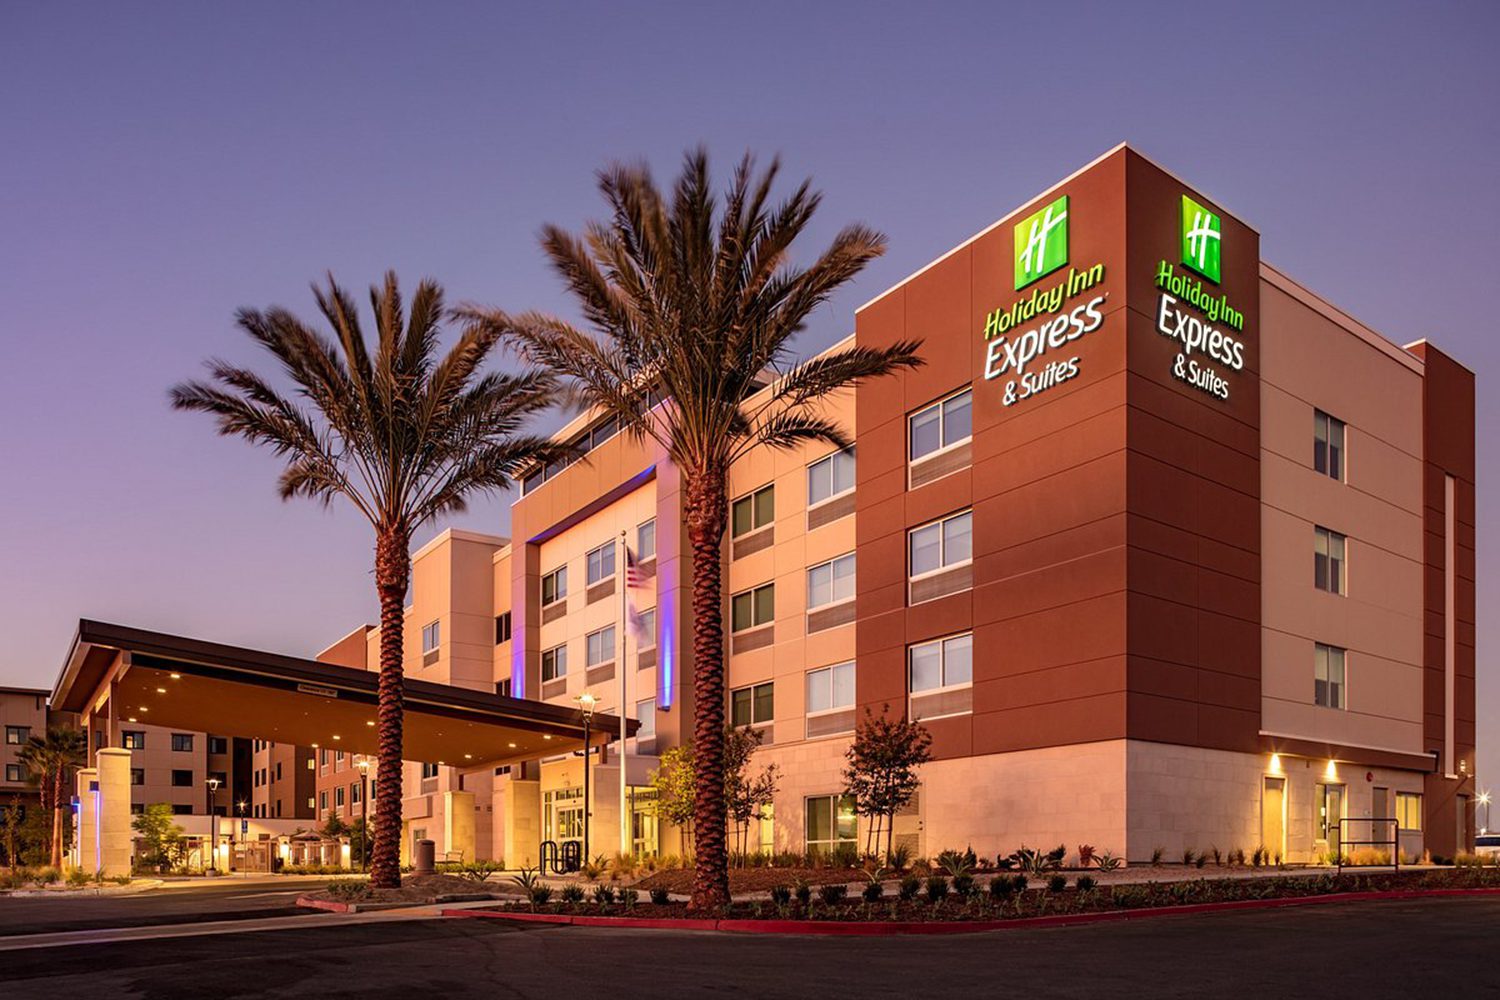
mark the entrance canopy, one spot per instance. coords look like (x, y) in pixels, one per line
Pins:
(135, 676)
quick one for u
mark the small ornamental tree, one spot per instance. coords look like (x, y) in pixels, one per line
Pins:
(675, 782)
(746, 793)
(162, 846)
(881, 773)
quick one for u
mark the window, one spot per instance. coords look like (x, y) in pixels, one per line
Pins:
(600, 647)
(645, 711)
(218, 744)
(555, 586)
(941, 544)
(555, 663)
(17, 735)
(752, 512)
(182, 810)
(831, 582)
(323, 757)
(133, 740)
(182, 779)
(1328, 674)
(502, 628)
(429, 771)
(831, 823)
(645, 541)
(1328, 560)
(1328, 445)
(647, 631)
(830, 689)
(1408, 810)
(338, 760)
(137, 775)
(828, 477)
(310, 762)
(354, 793)
(278, 770)
(15, 773)
(601, 563)
(753, 608)
(338, 797)
(432, 634)
(752, 706)
(182, 742)
(323, 801)
(943, 663)
(503, 688)
(941, 425)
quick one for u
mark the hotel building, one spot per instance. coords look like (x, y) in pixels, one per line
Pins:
(1165, 551)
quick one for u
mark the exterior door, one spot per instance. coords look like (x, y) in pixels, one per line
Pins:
(1463, 826)
(1273, 816)
(1330, 811)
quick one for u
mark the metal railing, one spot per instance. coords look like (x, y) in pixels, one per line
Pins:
(1375, 824)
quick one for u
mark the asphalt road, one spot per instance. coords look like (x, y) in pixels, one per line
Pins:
(193, 902)
(1429, 948)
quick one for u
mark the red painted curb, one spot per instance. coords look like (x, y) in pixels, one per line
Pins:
(872, 928)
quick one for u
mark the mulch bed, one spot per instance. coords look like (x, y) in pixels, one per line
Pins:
(422, 889)
(752, 879)
(1035, 902)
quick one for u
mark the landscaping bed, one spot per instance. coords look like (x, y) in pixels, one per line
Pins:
(937, 902)
(415, 890)
(680, 880)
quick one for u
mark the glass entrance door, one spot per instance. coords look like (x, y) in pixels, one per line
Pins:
(562, 815)
(1330, 811)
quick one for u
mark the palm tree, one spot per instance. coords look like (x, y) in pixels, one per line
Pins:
(698, 306)
(403, 435)
(51, 761)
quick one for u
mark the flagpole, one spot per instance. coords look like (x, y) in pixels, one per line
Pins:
(625, 817)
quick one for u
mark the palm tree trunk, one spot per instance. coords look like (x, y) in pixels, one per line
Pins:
(707, 512)
(392, 573)
(57, 817)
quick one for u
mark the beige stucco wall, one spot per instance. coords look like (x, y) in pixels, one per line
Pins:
(1316, 359)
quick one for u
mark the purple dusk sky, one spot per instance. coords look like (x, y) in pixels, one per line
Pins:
(164, 164)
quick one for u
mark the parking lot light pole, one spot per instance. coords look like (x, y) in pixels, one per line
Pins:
(364, 813)
(213, 824)
(586, 702)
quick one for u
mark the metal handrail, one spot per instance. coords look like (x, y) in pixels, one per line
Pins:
(1394, 843)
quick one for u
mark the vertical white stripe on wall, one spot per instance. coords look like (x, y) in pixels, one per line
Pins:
(1450, 625)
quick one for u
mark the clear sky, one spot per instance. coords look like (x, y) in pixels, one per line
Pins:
(162, 164)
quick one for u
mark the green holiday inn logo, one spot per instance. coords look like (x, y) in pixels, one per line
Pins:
(1202, 231)
(1041, 242)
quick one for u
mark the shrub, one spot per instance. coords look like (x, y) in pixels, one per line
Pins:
(1001, 887)
(909, 887)
(803, 892)
(571, 893)
(1107, 862)
(1057, 883)
(963, 885)
(603, 894)
(781, 895)
(1218, 858)
(629, 897)
(957, 863)
(844, 856)
(1085, 855)
(78, 878)
(937, 888)
(480, 871)
(1156, 856)
(1258, 857)
(832, 893)
(660, 897)
(900, 856)
(47, 875)
(1188, 856)
(349, 890)
(1086, 883)
(1200, 860)
(873, 892)
(1237, 857)
(540, 894)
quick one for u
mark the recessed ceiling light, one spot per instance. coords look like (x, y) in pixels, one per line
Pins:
(546, 736)
(337, 736)
(511, 745)
(177, 677)
(132, 718)
(369, 722)
(469, 756)
(440, 763)
(161, 690)
(145, 708)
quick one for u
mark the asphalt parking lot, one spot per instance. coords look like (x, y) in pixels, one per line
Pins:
(1363, 951)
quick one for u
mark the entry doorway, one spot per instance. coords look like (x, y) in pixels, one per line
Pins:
(1330, 811)
(1273, 816)
(562, 815)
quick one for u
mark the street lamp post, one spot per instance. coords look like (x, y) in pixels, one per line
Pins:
(364, 813)
(586, 702)
(1484, 800)
(213, 824)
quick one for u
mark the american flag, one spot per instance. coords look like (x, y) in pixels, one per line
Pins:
(634, 580)
(633, 576)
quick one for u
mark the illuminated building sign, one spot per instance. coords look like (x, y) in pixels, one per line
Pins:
(1202, 233)
(1208, 348)
(1041, 243)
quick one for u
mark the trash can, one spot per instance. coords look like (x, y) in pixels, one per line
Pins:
(422, 861)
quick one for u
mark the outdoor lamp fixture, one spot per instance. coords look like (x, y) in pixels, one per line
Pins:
(586, 702)
(364, 812)
(213, 819)
(1484, 800)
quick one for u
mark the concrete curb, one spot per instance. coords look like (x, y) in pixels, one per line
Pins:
(332, 906)
(876, 928)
